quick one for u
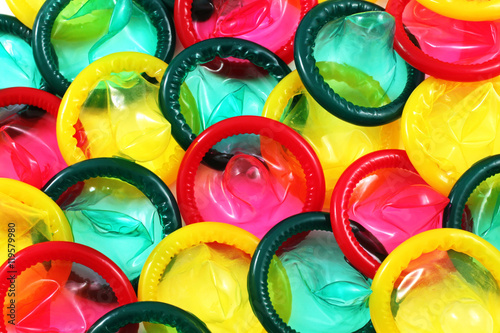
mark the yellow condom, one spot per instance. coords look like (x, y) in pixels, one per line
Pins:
(466, 10)
(439, 281)
(448, 126)
(25, 10)
(111, 110)
(336, 142)
(28, 217)
(202, 268)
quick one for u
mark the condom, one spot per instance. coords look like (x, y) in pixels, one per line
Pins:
(70, 35)
(336, 142)
(345, 58)
(61, 286)
(448, 126)
(28, 217)
(326, 293)
(442, 280)
(269, 23)
(474, 201)
(201, 88)
(117, 207)
(442, 54)
(25, 10)
(16, 55)
(28, 142)
(379, 202)
(202, 268)
(266, 172)
(465, 10)
(111, 110)
(163, 317)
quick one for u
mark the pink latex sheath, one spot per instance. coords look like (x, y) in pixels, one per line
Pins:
(395, 204)
(451, 40)
(269, 23)
(29, 150)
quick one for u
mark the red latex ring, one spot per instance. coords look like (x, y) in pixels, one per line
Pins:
(81, 254)
(272, 129)
(362, 167)
(31, 96)
(432, 66)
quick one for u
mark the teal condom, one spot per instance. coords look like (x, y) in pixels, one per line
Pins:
(116, 207)
(16, 56)
(71, 34)
(326, 293)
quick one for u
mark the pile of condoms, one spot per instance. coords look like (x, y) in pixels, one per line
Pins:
(250, 166)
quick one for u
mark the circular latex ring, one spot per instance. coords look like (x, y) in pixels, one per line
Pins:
(71, 252)
(151, 312)
(46, 58)
(24, 206)
(30, 96)
(324, 131)
(25, 10)
(146, 181)
(164, 163)
(305, 37)
(465, 186)
(22, 58)
(465, 10)
(417, 255)
(265, 127)
(184, 239)
(201, 53)
(271, 24)
(258, 277)
(431, 66)
(362, 167)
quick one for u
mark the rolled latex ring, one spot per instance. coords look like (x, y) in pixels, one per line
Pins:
(465, 10)
(31, 96)
(154, 312)
(25, 10)
(46, 58)
(305, 37)
(362, 167)
(431, 66)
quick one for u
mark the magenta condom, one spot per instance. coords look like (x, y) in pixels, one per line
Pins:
(270, 23)
(28, 142)
(255, 172)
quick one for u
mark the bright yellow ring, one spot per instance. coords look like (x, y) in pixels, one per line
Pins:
(33, 197)
(79, 89)
(25, 11)
(466, 10)
(428, 241)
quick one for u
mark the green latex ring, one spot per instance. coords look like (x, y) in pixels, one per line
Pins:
(153, 312)
(257, 276)
(44, 53)
(315, 84)
(463, 188)
(201, 53)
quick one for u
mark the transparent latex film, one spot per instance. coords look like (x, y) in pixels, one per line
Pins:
(121, 117)
(29, 225)
(328, 294)
(451, 40)
(336, 142)
(59, 296)
(445, 292)
(270, 23)
(261, 184)
(114, 218)
(86, 30)
(452, 125)
(482, 211)
(210, 281)
(28, 145)
(212, 92)
(18, 65)
(391, 205)
(355, 56)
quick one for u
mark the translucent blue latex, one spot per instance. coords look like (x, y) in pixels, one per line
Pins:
(328, 294)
